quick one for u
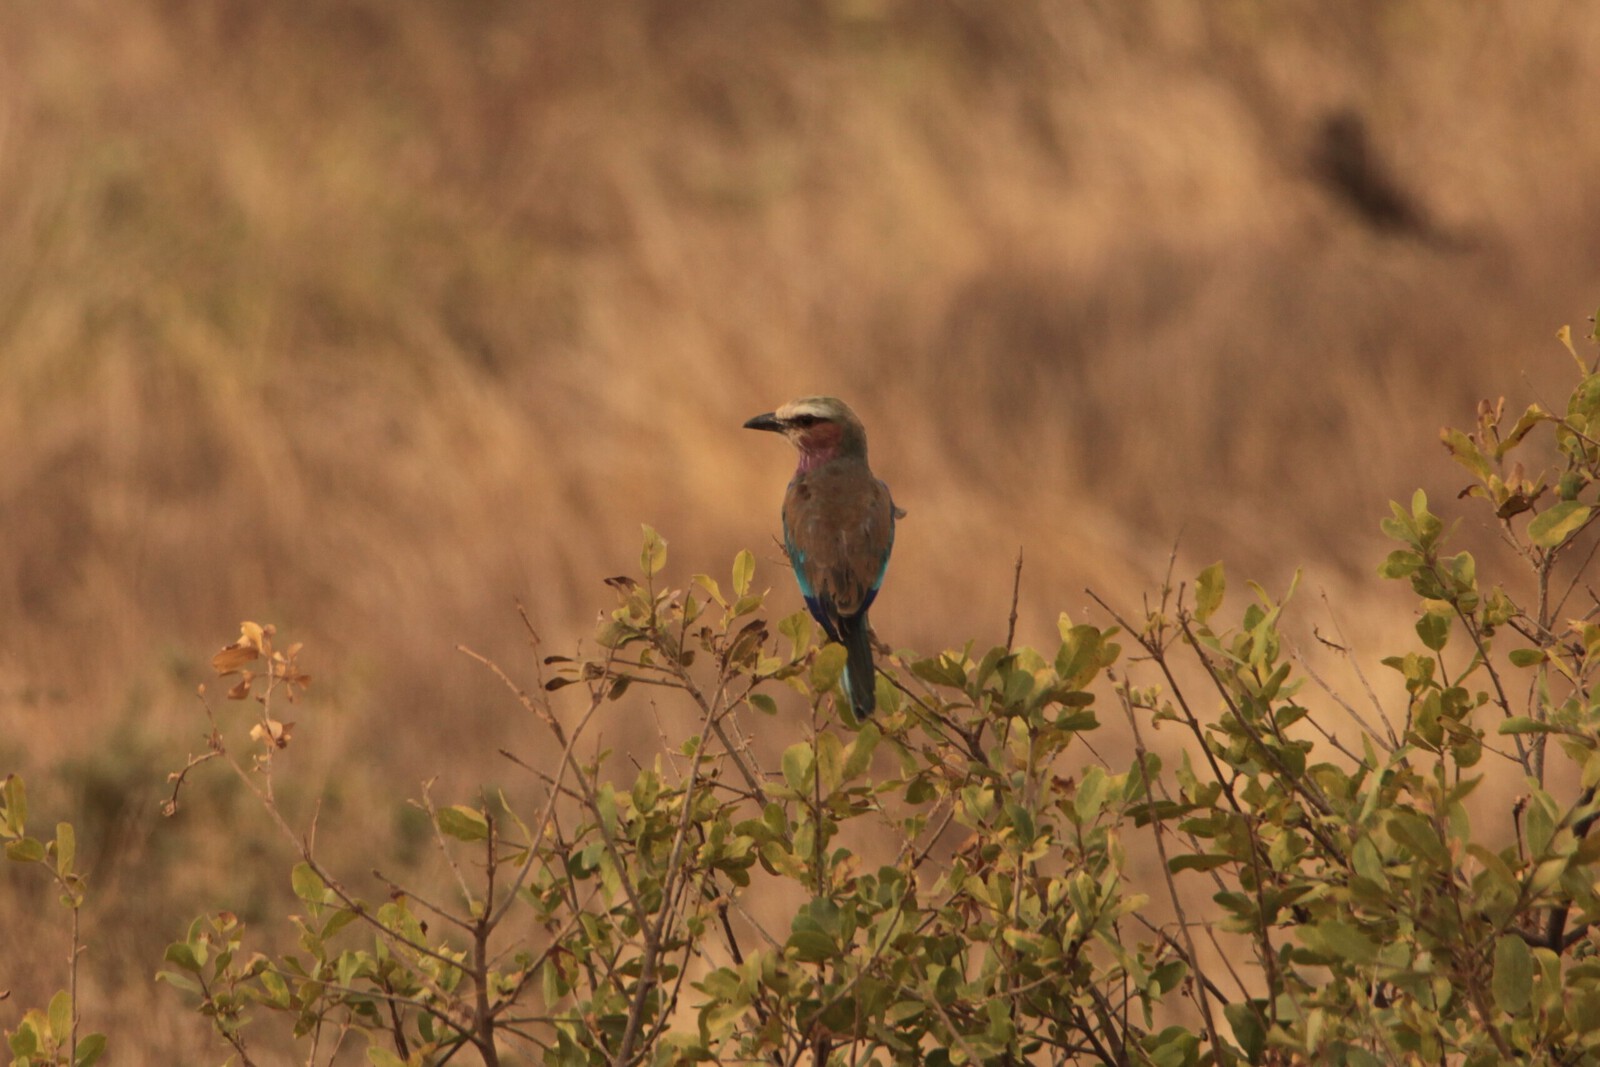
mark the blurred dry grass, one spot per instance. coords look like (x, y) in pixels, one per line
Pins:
(368, 318)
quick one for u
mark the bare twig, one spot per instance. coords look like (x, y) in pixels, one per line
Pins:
(1016, 590)
(1385, 743)
(1343, 647)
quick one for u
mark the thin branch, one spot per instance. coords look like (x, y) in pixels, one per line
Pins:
(444, 849)
(1016, 590)
(1140, 753)
(1388, 744)
(653, 938)
(1343, 647)
(1190, 719)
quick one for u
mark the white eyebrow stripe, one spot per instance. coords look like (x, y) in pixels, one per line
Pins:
(804, 407)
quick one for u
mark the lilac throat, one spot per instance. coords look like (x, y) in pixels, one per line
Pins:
(811, 460)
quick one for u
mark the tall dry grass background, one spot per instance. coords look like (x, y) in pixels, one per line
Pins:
(370, 318)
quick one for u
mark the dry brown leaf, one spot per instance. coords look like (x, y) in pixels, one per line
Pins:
(232, 658)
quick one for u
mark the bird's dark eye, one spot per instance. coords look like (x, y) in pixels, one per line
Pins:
(805, 422)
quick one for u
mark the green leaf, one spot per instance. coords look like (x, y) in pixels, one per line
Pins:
(1083, 653)
(1401, 563)
(1467, 453)
(827, 667)
(180, 981)
(798, 629)
(712, 589)
(1539, 825)
(1091, 795)
(89, 1050)
(1528, 657)
(25, 850)
(859, 755)
(1434, 629)
(379, 1056)
(1021, 821)
(1343, 940)
(947, 670)
(1513, 974)
(763, 703)
(1209, 588)
(1356, 1056)
(66, 847)
(1557, 522)
(25, 1041)
(308, 884)
(1585, 1011)
(463, 823)
(744, 568)
(1419, 507)
(1530, 418)
(1413, 832)
(653, 557)
(1521, 724)
(61, 1015)
(1248, 1028)
(798, 763)
(830, 763)
(16, 799)
(811, 946)
(605, 807)
(181, 954)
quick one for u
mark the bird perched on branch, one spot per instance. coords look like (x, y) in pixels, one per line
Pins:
(838, 528)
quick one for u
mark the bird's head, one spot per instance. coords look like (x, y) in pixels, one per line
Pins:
(820, 427)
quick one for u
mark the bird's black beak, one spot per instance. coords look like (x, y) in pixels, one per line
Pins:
(769, 421)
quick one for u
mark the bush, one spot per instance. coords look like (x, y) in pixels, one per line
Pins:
(961, 861)
(49, 1036)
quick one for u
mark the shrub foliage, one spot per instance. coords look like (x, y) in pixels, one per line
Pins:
(1295, 874)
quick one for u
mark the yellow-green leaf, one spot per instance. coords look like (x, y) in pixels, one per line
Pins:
(61, 1015)
(1557, 522)
(89, 1050)
(16, 798)
(25, 850)
(1530, 418)
(66, 847)
(830, 762)
(859, 754)
(1343, 940)
(827, 667)
(308, 884)
(1208, 590)
(1466, 452)
(713, 590)
(744, 568)
(798, 763)
(463, 823)
(1564, 335)
(653, 557)
(181, 954)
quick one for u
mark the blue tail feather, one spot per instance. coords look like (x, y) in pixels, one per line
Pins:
(860, 675)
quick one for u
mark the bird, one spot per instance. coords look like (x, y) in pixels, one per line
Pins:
(838, 528)
(1350, 166)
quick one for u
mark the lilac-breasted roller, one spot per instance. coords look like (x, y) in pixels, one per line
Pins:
(838, 528)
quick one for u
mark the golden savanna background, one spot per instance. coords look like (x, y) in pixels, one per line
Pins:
(372, 318)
